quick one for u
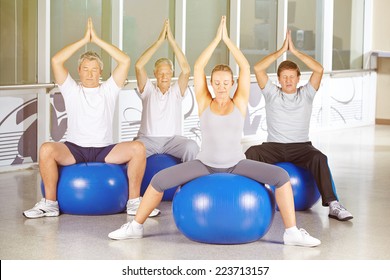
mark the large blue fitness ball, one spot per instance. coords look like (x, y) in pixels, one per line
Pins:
(304, 187)
(223, 208)
(92, 189)
(154, 164)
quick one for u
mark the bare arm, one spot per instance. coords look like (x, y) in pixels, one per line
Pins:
(202, 93)
(58, 60)
(262, 66)
(140, 70)
(123, 60)
(315, 66)
(241, 96)
(184, 66)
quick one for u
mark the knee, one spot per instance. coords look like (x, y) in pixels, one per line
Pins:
(138, 149)
(46, 151)
(283, 176)
(319, 158)
(251, 153)
(192, 149)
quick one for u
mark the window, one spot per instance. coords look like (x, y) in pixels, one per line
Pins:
(203, 18)
(68, 25)
(18, 37)
(302, 21)
(258, 29)
(348, 26)
(142, 24)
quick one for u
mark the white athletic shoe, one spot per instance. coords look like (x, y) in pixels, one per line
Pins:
(43, 208)
(300, 238)
(126, 231)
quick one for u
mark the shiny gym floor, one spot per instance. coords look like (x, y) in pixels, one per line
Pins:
(360, 162)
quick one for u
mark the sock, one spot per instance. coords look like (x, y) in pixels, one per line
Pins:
(332, 202)
(50, 201)
(136, 225)
(292, 230)
(133, 200)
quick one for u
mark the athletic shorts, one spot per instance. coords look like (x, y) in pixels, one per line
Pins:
(89, 154)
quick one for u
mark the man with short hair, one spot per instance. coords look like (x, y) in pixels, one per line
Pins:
(90, 108)
(288, 111)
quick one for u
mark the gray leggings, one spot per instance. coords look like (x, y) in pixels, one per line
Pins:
(180, 174)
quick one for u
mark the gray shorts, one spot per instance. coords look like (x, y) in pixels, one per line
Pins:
(182, 173)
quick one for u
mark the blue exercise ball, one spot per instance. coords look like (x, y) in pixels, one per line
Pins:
(154, 164)
(223, 208)
(304, 187)
(92, 188)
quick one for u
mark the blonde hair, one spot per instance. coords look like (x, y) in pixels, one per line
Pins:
(221, 67)
(91, 55)
(163, 60)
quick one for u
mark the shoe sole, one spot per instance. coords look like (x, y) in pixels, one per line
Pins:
(302, 245)
(42, 216)
(342, 220)
(123, 238)
(151, 215)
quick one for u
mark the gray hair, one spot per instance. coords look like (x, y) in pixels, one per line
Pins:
(91, 55)
(163, 61)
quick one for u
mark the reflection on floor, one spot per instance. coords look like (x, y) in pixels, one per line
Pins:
(360, 163)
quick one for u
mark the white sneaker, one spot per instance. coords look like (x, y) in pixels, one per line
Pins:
(132, 207)
(338, 212)
(43, 208)
(300, 238)
(126, 231)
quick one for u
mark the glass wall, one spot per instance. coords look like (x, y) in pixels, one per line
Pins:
(258, 28)
(203, 18)
(142, 24)
(347, 34)
(68, 25)
(302, 21)
(18, 37)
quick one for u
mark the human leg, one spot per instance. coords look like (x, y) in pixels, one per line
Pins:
(274, 175)
(133, 154)
(182, 148)
(51, 154)
(163, 180)
(266, 152)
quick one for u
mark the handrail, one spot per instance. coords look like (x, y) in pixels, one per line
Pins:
(53, 85)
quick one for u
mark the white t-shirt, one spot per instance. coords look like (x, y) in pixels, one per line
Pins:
(161, 113)
(90, 112)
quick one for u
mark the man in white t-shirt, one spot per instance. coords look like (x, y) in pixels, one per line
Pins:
(90, 108)
(161, 122)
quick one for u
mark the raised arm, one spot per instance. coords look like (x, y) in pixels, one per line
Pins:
(315, 66)
(123, 60)
(184, 66)
(58, 60)
(140, 70)
(241, 96)
(202, 93)
(262, 66)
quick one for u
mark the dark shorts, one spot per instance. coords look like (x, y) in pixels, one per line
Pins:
(89, 154)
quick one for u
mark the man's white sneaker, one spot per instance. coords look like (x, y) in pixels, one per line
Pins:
(126, 231)
(338, 212)
(43, 208)
(300, 238)
(132, 207)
